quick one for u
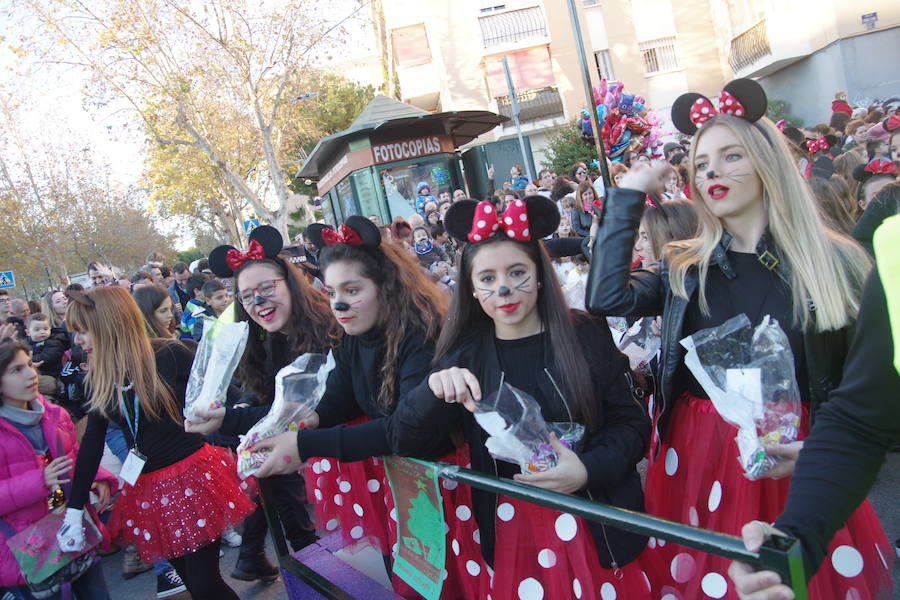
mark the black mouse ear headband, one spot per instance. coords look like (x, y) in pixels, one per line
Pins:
(742, 98)
(79, 297)
(265, 242)
(533, 218)
(356, 231)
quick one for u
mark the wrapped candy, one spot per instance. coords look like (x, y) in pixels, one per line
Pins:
(518, 432)
(641, 344)
(749, 377)
(217, 356)
(298, 389)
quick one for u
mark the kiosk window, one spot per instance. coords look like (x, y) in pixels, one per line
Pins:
(401, 184)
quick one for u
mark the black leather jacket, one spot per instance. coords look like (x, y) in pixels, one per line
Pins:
(614, 290)
(423, 426)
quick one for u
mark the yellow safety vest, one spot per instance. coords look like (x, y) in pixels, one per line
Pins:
(887, 256)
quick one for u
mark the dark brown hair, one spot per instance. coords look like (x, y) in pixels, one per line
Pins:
(311, 328)
(149, 298)
(467, 319)
(409, 301)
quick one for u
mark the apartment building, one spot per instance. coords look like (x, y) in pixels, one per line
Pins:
(802, 51)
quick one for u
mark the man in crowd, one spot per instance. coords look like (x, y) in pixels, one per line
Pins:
(177, 290)
(100, 274)
(546, 179)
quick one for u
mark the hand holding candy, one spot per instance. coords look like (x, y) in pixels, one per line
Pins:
(568, 476)
(284, 455)
(787, 454)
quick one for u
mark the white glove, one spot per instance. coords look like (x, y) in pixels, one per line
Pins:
(71, 535)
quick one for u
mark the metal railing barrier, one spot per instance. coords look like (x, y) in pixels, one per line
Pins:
(782, 555)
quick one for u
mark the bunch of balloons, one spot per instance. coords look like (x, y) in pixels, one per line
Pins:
(625, 122)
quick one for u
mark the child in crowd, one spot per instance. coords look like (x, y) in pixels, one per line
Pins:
(444, 242)
(216, 296)
(876, 149)
(442, 270)
(425, 249)
(196, 307)
(423, 196)
(46, 352)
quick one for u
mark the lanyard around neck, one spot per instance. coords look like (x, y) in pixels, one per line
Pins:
(127, 417)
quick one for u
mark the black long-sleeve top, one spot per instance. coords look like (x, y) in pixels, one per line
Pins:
(852, 433)
(50, 353)
(424, 425)
(351, 392)
(880, 208)
(163, 442)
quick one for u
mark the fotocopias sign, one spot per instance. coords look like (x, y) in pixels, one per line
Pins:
(414, 148)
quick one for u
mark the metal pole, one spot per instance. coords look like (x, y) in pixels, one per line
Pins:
(515, 112)
(588, 92)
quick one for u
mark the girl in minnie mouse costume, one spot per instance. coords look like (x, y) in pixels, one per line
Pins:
(509, 322)
(286, 318)
(761, 249)
(391, 314)
(181, 494)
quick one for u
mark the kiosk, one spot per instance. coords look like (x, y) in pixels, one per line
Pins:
(392, 153)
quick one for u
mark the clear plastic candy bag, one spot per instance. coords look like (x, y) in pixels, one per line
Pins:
(218, 354)
(641, 344)
(298, 389)
(749, 376)
(518, 432)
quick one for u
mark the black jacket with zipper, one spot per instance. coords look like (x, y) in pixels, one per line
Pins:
(613, 289)
(423, 426)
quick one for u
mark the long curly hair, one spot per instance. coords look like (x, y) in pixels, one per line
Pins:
(409, 300)
(311, 328)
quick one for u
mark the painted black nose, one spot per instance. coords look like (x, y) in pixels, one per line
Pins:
(710, 174)
(259, 300)
(341, 306)
(504, 291)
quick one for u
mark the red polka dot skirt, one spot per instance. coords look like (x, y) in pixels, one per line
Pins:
(181, 508)
(696, 479)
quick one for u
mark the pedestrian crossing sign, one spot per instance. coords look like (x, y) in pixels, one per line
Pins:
(7, 280)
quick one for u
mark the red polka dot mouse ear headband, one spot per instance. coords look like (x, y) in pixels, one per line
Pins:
(265, 242)
(533, 218)
(357, 231)
(742, 98)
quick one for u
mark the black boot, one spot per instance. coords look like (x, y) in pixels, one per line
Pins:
(254, 566)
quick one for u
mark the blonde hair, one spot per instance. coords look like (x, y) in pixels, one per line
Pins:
(122, 353)
(47, 306)
(825, 268)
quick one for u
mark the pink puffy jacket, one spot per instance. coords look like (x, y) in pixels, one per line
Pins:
(23, 495)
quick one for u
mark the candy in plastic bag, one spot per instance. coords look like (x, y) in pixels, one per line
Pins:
(748, 375)
(518, 432)
(217, 356)
(298, 389)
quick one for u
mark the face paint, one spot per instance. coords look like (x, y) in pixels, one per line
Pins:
(259, 300)
(525, 286)
(504, 291)
(341, 306)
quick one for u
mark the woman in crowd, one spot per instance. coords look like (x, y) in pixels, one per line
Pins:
(761, 249)
(844, 165)
(580, 214)
(181, 493)
(835, 203)
(37, 450)
(616, 171)
(156, 306)
(53, 304)
(671, 221)
(509, 323)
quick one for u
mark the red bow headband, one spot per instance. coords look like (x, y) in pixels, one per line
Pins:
(348, 235)
(703, 110)
(514, 222)
(892, 123)
(235, 258)
(881, 167)
(817, 145)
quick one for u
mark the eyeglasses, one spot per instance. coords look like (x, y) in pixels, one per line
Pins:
(266, 289)
(581, 172)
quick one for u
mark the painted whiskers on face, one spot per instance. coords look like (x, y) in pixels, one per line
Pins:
(525, 286)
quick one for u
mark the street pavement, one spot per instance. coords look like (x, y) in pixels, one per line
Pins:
(885, 498)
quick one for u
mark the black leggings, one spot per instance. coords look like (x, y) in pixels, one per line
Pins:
(200, 573)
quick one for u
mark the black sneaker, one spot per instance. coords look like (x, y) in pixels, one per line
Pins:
(169, 585)
(251, 568)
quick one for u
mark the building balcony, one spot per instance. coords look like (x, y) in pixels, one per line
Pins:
(534, 105)
(512, 27)
(750, 47)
